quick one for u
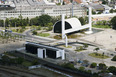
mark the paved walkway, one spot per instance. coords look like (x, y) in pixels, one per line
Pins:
(106, 38)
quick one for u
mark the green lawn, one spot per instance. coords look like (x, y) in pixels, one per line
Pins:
(67, 47)
(43, 34)
(18, 30)
(101, 26)
(27, 63)
(98, 55)
(79, 50)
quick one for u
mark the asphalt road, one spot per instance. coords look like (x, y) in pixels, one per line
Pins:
(30, 37)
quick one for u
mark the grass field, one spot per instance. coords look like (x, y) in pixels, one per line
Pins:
(43, 34)
(101, 26)
(98, 55)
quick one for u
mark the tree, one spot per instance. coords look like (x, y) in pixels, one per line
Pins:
(93, 65)
(63, 3)
(85, 45)
(1, 23)
(34, 32)
(102, 66)
(93, 12)
(35, 62)
(111, 11)
(39, 28)
(81, 68)
(104, 2)
(44, 20)
(99, 12)
(86, 20)
(49, 26)
(81, 19)
(6, 22)
(112, 69)
(19, 60)
(113, 22)
(96, 49)
(114, 58)
(68, 65)
(34, 21)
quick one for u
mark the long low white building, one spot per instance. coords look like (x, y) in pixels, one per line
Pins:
(30, 8)
(45, 51)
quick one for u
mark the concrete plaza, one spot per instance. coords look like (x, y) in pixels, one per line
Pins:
(106, 38)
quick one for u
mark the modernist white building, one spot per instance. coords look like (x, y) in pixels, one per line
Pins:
(33, 8)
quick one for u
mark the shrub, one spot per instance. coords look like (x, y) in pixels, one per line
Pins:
(85, 45)
(19, 60)
(34, 32)
(68, 65)
(81, 68)
(58, 37)
(114, 58)
(26, 63)
(102, 66)
(39, 28)
(93, 65)
(35, 62)
(89, 71)
(112, 69)
(96, 49)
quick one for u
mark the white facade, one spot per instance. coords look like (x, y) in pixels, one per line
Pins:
(41, 53)
(34, 9)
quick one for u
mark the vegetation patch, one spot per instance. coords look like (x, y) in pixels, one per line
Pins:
(43, 34)
(114, 58)
(67, 46)
(72, 36)
(27, 63)
(81, 48)
(58, 37)
(98, 55)
(101, 26)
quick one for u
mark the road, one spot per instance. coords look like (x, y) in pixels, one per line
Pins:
(29, 36)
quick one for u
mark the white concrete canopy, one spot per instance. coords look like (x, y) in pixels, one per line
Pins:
(71, 25)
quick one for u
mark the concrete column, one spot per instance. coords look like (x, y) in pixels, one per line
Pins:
(90, 23)
(66, 41)
(45, 53)
(63, 26)
(63, 54)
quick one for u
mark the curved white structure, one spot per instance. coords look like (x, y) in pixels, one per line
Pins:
(74, 21)
(71, 25)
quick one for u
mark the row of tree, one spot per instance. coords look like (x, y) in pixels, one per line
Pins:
(6, 37)
(42, 20)
(46, 20)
